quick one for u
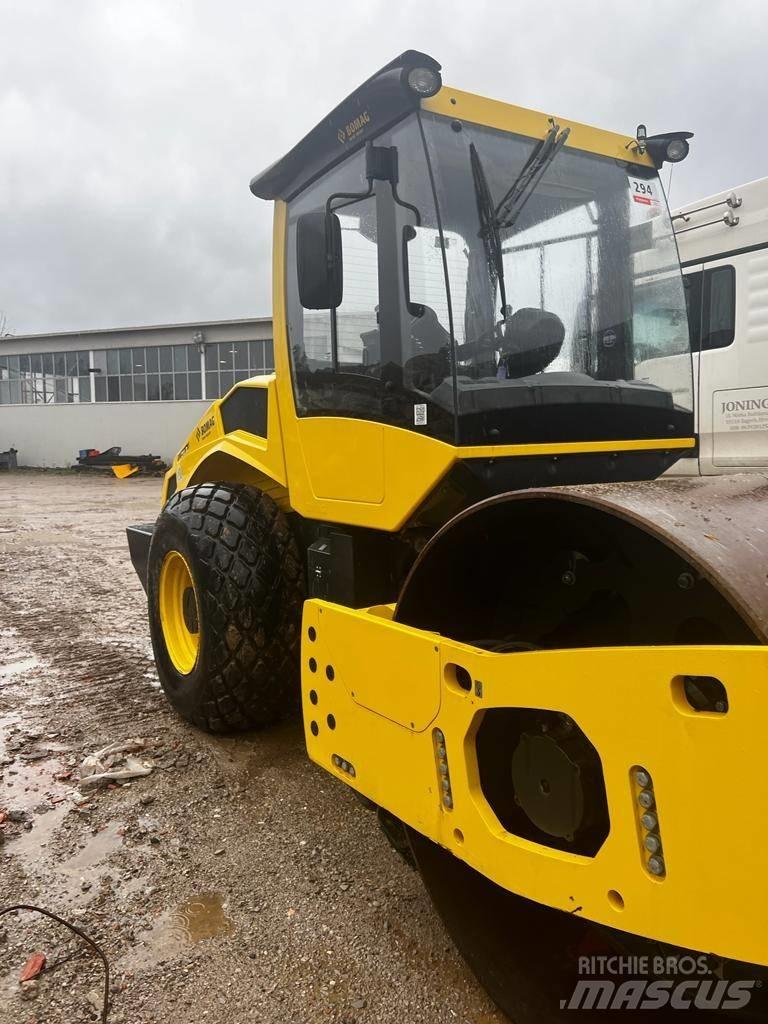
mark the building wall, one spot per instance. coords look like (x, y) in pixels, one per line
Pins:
(101, 402)
(52, 435)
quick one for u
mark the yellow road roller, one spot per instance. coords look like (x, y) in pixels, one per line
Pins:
(438, 527)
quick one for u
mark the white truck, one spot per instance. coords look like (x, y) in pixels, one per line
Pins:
(723, 245)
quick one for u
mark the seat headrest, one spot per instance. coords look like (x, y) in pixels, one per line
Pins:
(532, 340)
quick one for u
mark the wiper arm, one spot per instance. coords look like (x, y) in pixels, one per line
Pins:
(523, 187)
(496, 218)
(489, 225)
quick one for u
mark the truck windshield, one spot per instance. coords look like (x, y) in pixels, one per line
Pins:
(563, 323)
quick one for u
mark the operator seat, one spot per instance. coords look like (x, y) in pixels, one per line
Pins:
(431, 345)
(532, 339)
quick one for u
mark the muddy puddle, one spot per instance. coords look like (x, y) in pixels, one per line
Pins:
(34, 782)
(35, 789)
(177, 930)
(32, 789)
(17, 668)
(77, 878)
(80, 874)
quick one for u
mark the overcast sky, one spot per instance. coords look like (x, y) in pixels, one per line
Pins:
(129, 129)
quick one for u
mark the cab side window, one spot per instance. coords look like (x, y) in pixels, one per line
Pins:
(381, 350)
(711, 299)
(718, 298)
(356, 317)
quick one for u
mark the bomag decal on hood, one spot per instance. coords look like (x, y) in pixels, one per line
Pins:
(206, 431)
(203, 429)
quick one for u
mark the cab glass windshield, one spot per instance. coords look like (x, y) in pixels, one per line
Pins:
(486, 304)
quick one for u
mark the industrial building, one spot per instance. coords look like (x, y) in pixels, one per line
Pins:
(142, 388)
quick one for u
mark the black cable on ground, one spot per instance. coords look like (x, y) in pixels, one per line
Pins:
(81, 934)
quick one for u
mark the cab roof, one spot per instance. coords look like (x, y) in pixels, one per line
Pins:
(385, 98)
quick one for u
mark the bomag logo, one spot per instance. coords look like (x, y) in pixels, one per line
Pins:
(205, 428)
(354, 128)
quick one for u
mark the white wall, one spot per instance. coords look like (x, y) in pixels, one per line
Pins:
(52, 435)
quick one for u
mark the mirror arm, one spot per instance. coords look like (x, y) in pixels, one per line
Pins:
(407, 206)
(351, 197)
(334, 342)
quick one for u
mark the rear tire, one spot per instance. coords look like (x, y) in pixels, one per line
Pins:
(237, 607)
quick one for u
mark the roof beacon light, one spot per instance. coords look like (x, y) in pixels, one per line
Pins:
(424, 81)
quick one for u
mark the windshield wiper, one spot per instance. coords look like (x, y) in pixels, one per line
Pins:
(496, 218)
(524, 185)
(489, 225)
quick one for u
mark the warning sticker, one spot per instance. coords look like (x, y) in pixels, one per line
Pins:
(646, 193)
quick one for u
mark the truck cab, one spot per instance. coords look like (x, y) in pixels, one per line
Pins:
(723, 245)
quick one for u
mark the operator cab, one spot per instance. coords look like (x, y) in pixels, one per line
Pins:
(481, 283)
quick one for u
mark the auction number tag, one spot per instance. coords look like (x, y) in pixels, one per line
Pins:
(646, 193)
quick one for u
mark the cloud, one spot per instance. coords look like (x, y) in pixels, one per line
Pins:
(129, 129)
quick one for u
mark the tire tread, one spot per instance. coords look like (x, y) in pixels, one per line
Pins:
(252, 604)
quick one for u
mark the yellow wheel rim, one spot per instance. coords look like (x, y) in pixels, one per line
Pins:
(179, 612)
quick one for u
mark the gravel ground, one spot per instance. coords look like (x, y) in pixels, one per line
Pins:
(234, 883)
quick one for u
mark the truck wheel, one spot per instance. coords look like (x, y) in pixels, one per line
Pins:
(225, 588)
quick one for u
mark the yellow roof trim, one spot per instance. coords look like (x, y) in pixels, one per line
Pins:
(466, 106)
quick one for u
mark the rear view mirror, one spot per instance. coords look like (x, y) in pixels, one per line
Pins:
(319, 260)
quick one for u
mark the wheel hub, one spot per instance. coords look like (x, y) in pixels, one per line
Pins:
(189, 610)
(179, 613)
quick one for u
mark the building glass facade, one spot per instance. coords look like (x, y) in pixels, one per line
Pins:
(42, 378)
(228, 362)
(153, 373)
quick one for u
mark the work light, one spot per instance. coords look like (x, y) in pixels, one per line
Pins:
(670, 147)
(424, 81)
(677, 150)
